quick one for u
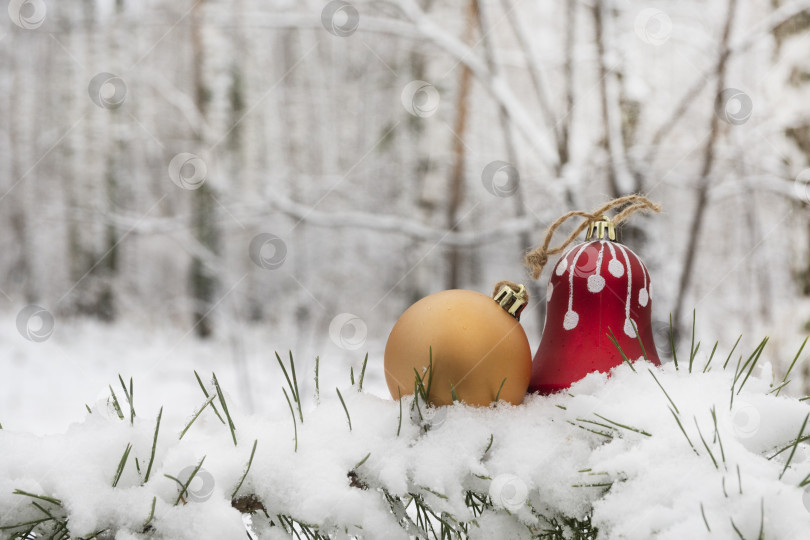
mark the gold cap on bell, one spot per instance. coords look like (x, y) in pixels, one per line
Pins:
(600, 227)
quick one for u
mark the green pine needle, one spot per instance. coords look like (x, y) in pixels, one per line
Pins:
(154, 446)
(205, 392)
(51, 500)
(295, 425)
(399, 426)
(317, 377)
(795, 445)
(184, 485)
(247, 469)
(638, 337)
(612, 337)
(678, 421)
(121, 464)
(664, 391)
(705, 445)
(498, 395)
(672, 342)
(732, 351)
(360, 463)
(692, 349)
(130, 395)
(703, 513)
(151, 513)
(293, 384)
(197, 414)
(224, 407)
(711, 356)
(116, 405)
(362, 374)
(348, 417)
(785, 380)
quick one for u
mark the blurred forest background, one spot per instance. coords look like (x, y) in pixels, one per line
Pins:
(305, 170)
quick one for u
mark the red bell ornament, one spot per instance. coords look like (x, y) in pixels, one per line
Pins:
(598, 290)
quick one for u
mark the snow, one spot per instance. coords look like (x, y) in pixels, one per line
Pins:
(541, 461)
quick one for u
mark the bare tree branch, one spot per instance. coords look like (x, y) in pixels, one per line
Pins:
(708, 161)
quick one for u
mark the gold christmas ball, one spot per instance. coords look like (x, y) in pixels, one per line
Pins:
(475, 345)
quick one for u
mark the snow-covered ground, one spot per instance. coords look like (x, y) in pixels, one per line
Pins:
(643, 453)
(44, 386)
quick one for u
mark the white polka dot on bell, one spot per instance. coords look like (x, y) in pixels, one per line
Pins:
(596, 283)
(615, 268)
(549, 292)
(643, 297)
(561, 266)
(628, 328)
(570, 320)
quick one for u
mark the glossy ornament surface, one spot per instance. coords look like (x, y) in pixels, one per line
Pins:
(475, 345)
(597, 289)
